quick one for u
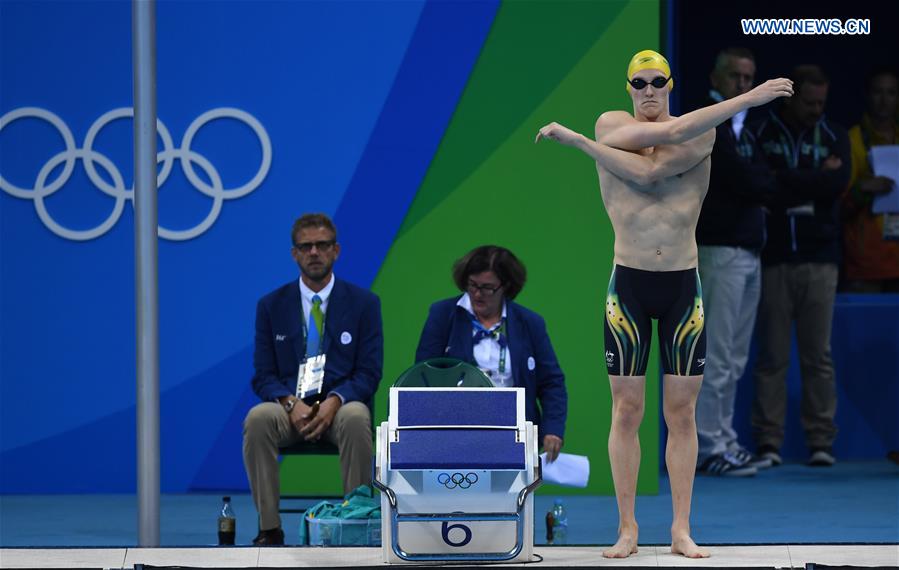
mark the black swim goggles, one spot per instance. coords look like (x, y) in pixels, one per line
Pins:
(658, 82)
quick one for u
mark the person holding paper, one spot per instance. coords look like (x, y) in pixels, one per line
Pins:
(870, 244)
(318, 359)
(810, 157)
(505, 340)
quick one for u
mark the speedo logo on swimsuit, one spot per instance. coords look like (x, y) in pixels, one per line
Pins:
(700, 362)
(610, 358)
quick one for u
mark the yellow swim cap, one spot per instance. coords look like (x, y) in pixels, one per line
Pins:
(648, 59)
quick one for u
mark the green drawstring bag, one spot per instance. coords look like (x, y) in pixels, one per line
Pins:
(354, 522)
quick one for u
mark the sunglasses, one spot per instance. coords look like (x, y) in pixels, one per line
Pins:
(658, 82)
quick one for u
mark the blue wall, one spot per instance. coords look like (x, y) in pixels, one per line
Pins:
(865, 348)
(344, 92)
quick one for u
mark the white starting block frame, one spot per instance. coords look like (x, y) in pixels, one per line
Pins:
(457, 468)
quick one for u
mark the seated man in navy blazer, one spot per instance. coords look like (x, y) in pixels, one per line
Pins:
(505, 340)
(295, 325)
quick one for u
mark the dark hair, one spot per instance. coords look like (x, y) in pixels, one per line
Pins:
(499, 260)
(803, 74)
(312, 221)
(735, 52)
(878, 72)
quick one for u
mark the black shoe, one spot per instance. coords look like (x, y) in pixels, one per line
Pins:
(770, 452)
(271, 537)
(821, 457)
(746, 457)
(726, 465)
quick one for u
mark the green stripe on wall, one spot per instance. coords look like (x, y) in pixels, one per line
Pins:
(541, 201)
(488, 183)
(532, 46)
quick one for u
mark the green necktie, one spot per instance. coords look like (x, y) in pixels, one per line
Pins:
(317, 313)
(313, 336)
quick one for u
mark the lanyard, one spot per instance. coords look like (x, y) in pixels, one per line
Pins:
(502, 348)
(498, 333)
(792, 156)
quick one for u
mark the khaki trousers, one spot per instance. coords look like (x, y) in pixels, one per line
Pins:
(267, 427)
(803, 293)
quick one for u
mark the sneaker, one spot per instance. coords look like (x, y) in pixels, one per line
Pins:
(726, 465)
(821, 457)
(746, 457)
(770, 452)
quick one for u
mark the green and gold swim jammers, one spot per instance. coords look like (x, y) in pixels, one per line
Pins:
(635, 298)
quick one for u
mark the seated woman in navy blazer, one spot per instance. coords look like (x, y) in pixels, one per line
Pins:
(505, 340)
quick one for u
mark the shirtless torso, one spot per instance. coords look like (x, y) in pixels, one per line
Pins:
(655, 226)
(655, 222)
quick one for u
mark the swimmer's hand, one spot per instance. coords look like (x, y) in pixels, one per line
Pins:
(558, 133)
(769, 91)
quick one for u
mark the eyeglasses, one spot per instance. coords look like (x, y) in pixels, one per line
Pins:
(658, 82)
(485, 290)
(306, 247)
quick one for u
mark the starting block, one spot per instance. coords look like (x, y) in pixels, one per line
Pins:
(457, 468)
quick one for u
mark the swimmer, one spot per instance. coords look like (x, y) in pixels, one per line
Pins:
(653, 175)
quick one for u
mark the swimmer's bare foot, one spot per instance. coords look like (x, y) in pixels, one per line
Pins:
(682, 544)
(626, 545)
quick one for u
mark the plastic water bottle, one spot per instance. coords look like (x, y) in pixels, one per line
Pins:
(227, 523)
(560, 523)
(550, 523)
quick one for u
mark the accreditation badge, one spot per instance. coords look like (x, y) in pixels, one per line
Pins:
(502, 380)
(311, 376)
(498, 380)
(891, 227)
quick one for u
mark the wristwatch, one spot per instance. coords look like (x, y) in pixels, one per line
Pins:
(288, 407)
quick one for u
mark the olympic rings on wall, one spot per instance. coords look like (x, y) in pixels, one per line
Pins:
(91, 158)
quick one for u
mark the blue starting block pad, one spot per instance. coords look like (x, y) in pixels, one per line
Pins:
(432, 407)
(457, 449)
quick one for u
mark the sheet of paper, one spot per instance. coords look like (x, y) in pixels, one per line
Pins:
(885, 162)
(569, 470)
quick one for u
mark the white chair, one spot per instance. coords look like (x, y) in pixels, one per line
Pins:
(456, 468)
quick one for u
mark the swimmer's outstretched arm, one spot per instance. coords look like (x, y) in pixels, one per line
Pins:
(665, 161)
(634, 135)
(634, 168)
